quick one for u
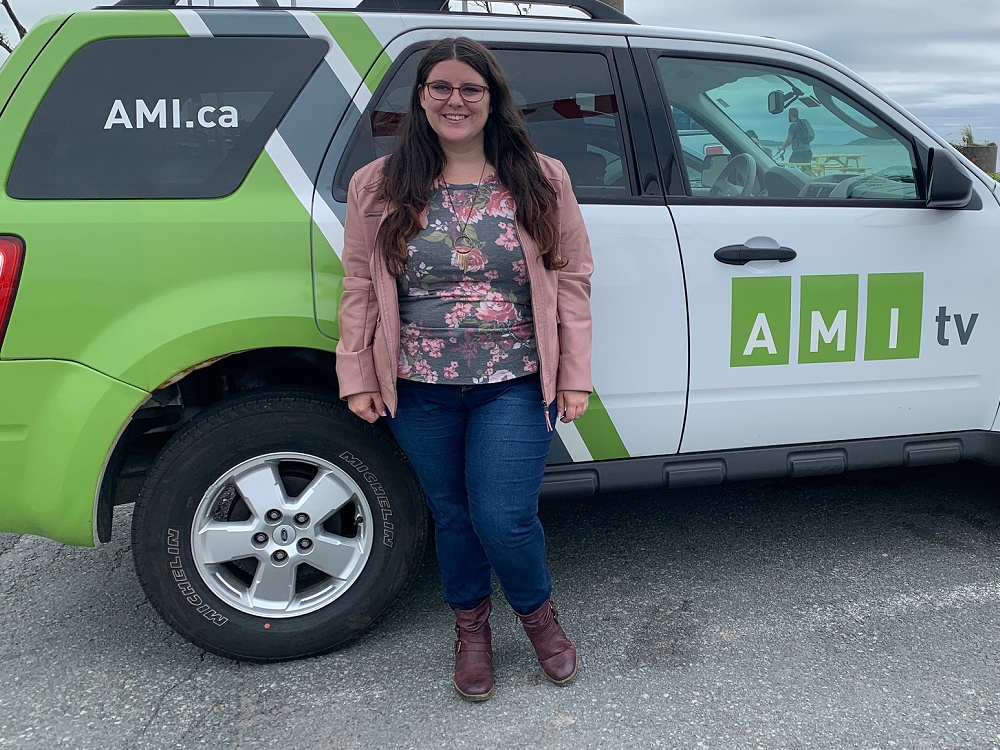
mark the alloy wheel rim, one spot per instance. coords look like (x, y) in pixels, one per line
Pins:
(281, 535)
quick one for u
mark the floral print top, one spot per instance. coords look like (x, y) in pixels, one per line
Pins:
(472, 327)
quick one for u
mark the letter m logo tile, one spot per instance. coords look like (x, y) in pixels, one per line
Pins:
(828, 319)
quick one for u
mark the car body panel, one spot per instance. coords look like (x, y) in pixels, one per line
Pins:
(862, 391)
(25, 53)
(637, 409)
(147, 332)
(53, 445)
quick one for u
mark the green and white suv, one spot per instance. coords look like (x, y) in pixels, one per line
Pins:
(170, 229)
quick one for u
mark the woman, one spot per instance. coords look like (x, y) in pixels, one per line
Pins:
(466, 317)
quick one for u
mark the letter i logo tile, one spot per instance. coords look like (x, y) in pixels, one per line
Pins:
(761, 327)
(895, 308)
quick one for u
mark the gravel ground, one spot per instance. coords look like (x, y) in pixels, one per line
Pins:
(853, 612)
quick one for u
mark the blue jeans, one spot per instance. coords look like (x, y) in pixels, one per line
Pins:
(479, 452)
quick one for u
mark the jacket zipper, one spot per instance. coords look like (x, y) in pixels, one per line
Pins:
(534, 318)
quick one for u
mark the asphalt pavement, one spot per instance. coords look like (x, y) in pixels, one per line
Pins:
(859, 611)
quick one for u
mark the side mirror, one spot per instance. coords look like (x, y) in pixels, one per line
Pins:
(776, 102)
(948, 184)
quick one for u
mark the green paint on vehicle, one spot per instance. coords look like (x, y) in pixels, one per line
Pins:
(119, 296)
(895, 308)
(361, 46)
(141, 295)
(760, 332)
(828, 318)
(378, 71)
(24, 54)
(54, 438)
(88, 26)
(599, 433)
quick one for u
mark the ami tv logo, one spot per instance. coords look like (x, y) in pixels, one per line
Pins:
(761, 326)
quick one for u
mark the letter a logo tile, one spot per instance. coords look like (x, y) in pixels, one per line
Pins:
(761, 328)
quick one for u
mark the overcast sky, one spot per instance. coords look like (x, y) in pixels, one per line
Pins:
(940, 60)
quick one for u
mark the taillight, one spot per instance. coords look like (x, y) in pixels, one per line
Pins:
(11, 260)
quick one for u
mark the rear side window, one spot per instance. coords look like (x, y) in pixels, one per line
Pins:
(568, 100)
(160, 118)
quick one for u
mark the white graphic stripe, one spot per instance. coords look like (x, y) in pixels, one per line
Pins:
(290, 169)
(575, 446)
(324, 217)
(339, 63)
(329, 225)
(386, 26)
(302, 186)
(192, 23)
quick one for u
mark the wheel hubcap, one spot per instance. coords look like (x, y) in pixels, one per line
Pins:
(281, 535)
(284, 535)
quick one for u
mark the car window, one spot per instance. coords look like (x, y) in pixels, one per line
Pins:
(568, 101)
(160, 118)
(697, 144)
(755, 131)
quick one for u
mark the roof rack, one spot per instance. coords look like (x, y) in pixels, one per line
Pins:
(172, 3)
(596, 9)
(420, 6)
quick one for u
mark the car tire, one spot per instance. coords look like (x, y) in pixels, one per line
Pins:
(277, 525)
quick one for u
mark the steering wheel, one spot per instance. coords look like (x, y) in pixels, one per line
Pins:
(736, 178)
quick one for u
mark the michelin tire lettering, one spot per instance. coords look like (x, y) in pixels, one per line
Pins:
(388, 530)
(181, 579)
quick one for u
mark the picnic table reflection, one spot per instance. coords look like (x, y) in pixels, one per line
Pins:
(821, 163)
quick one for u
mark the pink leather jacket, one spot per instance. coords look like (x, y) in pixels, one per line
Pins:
(369, 307)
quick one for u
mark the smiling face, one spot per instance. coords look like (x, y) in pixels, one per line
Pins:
(459, 124)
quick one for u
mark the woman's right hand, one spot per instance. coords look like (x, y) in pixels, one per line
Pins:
(368, 406)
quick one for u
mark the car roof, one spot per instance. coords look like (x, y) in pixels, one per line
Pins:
(410, 20)
(420, 17)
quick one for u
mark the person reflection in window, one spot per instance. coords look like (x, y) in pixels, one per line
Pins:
(798, 139)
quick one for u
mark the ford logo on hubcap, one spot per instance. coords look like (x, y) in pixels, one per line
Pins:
(284, 535)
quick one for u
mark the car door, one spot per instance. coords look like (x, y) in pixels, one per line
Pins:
(827, 302)
(572, 89)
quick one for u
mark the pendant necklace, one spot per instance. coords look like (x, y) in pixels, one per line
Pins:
(463, 244)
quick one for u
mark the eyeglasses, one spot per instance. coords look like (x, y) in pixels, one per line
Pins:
(442, 90)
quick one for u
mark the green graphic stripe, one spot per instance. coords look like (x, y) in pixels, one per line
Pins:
(361, 46)
(599, 433)
(378, 71)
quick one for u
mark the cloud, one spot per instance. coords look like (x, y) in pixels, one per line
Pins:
(941, 61)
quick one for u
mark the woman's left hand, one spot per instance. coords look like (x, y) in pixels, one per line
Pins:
(572, 404)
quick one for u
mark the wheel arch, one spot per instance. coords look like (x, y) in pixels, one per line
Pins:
(182, 397)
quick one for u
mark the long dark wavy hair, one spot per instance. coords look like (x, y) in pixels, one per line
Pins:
(417, 160)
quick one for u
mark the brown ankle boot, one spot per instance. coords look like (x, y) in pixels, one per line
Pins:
(474, 652)
(556, 653)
